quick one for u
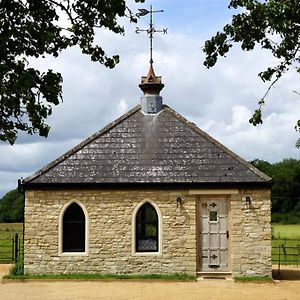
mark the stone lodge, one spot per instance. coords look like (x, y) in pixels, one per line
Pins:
(150, 193)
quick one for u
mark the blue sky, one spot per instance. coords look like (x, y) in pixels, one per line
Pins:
(219, 101)
(194, 17)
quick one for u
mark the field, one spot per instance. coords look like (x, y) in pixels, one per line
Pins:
(9, 229)
(286, 231)
(286, 244)
(7, 232)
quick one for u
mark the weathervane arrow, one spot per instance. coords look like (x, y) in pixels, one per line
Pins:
(151, 30)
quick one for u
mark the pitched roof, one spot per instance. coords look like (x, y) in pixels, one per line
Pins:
(139, 148)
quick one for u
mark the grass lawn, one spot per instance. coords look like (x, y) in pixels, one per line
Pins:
(286, 231)
(7, 231)
(286, 240)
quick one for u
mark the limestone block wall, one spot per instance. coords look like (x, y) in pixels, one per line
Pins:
(111, 235)
(110, 232)
(251, 233)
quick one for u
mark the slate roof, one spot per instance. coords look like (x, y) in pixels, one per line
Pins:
(136, 148)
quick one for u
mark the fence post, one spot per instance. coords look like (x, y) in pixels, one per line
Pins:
(13, 248)
(278, 260)
(284, 253)
(16, 242)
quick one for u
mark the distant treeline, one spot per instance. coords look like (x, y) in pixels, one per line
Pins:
(11, 207)
(285, 189)
(285, 193)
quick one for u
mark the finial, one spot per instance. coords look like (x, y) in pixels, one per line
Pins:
(151, 30)
(151, 84)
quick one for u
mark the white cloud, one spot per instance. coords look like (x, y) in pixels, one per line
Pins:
(32, 156)
(9, 181)
(240, 117)
(220, 100)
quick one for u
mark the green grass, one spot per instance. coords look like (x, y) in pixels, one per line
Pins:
(261, 279)
(280, 231)
(7, 231)
(283, 238)
(170, 277)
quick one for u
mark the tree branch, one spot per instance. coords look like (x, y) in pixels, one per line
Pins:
(65, 9)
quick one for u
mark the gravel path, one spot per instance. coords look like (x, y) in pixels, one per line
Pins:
(121, 290)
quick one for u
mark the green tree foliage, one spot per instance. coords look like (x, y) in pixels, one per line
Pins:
(269, 24)
(12, 207)
(33, 28)
(285, 188)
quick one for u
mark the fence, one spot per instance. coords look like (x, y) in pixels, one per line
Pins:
(286, 252)
(10, 249)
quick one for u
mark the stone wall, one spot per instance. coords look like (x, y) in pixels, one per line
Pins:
(251, 233)
(110, 232)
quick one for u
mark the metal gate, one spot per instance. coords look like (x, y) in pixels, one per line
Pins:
(10, 249)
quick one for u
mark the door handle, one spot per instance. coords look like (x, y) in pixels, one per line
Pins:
(227, 234)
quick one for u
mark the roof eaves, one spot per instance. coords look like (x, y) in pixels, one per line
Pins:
(136, 185)
(81, 145)
(218, 144)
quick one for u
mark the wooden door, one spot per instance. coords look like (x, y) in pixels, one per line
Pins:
(213, 235)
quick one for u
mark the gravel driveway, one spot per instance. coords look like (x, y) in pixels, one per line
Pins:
(206, 289)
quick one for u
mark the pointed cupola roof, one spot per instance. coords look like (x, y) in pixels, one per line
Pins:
(151, 84)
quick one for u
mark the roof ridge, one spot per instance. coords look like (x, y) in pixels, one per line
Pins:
(194, 127)
(81, 145)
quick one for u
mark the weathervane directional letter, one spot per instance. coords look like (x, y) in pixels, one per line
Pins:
(151, 30)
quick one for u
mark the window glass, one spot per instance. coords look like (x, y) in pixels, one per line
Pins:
(213, 216)
(74, 229)
(147, 229)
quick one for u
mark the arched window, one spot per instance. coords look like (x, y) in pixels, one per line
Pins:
(146, 229)
(73, 229)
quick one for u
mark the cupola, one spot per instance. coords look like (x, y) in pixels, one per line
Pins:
(151, 85)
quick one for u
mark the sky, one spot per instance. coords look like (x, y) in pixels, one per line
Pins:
(219, 100)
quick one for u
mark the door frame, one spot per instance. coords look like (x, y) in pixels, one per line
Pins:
(199, 199)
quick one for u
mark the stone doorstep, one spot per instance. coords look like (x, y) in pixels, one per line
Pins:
(214, 276)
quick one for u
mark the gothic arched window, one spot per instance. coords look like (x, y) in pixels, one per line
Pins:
(146, 229)
(74, 229)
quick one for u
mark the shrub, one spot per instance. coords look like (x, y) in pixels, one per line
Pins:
(18, 268)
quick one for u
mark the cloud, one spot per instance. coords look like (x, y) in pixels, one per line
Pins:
(30, 157)
(220, 100)
(272, 141)
(9, 181)
(240, 115)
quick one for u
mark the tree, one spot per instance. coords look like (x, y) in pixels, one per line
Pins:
(285, 188)
(269, 24)
(32, 28)
(12, 207)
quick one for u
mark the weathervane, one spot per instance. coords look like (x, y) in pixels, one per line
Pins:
(151, 30)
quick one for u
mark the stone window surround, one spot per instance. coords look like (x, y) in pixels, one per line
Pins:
(133, 231)
(60, 230)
